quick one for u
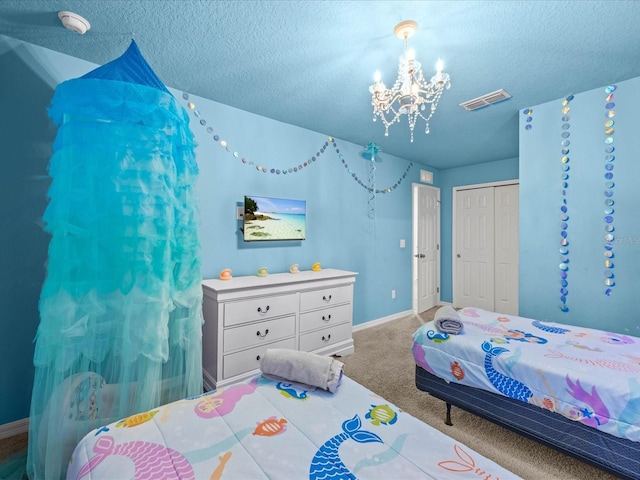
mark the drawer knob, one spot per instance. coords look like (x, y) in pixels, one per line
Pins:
(326, 299)
(326, 319)
(258, 358)
(260, 310)
(327, 338)
(266, 332)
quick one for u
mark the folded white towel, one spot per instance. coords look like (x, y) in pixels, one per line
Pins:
(448, 320)
(447, 311)
(304, 367)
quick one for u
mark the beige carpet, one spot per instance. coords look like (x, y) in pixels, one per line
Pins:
(382, 362)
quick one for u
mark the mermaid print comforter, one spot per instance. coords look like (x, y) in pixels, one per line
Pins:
(590, 376)
(262, 428)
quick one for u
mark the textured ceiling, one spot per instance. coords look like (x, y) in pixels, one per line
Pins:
(310, 63)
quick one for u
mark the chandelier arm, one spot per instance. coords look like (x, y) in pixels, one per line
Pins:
(390, 97)
(430, 96)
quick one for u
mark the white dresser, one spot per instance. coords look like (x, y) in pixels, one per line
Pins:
(245, 316)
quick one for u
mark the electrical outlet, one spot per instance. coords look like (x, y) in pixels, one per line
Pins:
(393, 294)
(240, 213)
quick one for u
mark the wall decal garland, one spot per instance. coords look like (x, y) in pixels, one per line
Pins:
(528, 112)
(609, 185)
(564, 208)
(296, 168)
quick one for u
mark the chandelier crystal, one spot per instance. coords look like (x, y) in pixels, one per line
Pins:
(411, 94)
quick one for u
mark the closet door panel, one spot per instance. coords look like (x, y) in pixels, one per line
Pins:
(474, 258)
(506, 249)
(486, 248)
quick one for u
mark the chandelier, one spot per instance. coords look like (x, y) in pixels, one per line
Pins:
(411, 94)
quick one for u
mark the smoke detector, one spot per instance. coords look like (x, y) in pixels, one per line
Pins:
(74, 22)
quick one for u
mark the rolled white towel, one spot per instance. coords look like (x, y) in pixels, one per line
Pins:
(304, 367)
(448, 320)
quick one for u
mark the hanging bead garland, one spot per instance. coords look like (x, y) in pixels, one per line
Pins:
(284, 171)
(609, 236)
(369, 188)
(564, 208)
(369, 153)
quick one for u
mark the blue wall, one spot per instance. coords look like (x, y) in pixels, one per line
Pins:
(340, 232)
(25, 140)
(541, 170)
(28, 76)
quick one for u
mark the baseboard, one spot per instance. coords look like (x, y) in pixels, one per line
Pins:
(379, 321)
(388, 318)
(14, 428)
(208, 382)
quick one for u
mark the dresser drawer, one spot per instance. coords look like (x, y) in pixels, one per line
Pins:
(325, 317)
(248, 336)
(254, 309)
(247, 360)
(328, 336)
(325, 297)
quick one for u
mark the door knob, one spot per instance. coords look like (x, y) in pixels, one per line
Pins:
(458, 255)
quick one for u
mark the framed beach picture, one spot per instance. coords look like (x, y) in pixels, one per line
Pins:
(274, 219)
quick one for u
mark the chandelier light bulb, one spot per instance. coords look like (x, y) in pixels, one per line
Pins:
(377, 76)
(411, 54)
(439, 65)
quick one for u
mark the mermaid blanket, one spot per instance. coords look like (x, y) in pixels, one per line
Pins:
(590, 376)
(263, 428)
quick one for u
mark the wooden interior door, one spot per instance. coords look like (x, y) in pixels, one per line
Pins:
(427, 246)
(486, 245)
(506, 207)
(474, 258)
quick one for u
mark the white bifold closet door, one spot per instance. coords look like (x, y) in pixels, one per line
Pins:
(486, 248)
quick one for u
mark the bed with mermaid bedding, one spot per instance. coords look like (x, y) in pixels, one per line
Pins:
(268, 428)
(574, 389)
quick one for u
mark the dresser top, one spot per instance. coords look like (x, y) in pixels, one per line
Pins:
(215, 286)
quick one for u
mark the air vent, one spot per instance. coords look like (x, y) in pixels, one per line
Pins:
(485, 100)
(426, 176)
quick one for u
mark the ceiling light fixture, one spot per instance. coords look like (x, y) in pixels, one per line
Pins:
(411, 94)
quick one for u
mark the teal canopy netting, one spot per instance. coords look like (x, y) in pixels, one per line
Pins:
(121, 306)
